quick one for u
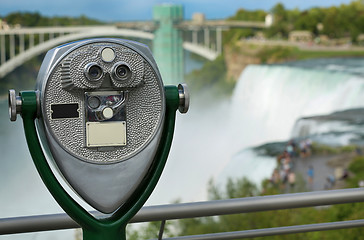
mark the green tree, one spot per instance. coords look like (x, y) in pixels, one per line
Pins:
(308, 20)
(281, 26)
(236, 34)
(269, 219)
(29, 19)
(149, 231)
(246, 15)
(212, 77)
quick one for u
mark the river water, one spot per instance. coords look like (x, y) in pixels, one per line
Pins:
(213, 140)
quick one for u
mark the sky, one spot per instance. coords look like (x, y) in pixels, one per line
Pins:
(121, 10)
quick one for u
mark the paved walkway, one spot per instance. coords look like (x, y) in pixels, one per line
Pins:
(324, 166)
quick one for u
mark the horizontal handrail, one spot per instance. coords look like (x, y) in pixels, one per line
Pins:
(196, 209)
(273, 231)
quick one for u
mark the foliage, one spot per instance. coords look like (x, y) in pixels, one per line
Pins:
(281, 25)
(346, 20)
(300, 54)
(237, 188)
(28, 19)
(325, 149)
(245, 15)
(269, 54)
(308, 20)
(244, 188)
(234, 189)
(149, 231)
(212, 76)
(357, 169)
(278, 218)
(236, 34)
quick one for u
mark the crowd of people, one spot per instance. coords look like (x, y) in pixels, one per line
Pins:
(284, 177)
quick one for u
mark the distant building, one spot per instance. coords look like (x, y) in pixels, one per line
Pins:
(198, 18)
(4, 25)
(300, 36)
(324, 38)
(269, 19)
(360, 39)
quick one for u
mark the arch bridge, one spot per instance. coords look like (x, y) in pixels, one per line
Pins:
(14, 51)
(169, 33)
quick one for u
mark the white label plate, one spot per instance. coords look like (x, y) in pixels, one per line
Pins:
(104, 134)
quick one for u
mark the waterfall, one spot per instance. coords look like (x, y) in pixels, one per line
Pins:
(215, 138)
(339, 128)
(268, 100)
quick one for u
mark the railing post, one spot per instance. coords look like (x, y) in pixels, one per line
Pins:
(195, 36)
(31, 40)
(207, 37)
(41, 38)
(21, 43)
(12, 46)
(3, 50)
(219, 39)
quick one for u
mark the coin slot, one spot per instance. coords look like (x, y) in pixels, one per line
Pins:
(69, 110)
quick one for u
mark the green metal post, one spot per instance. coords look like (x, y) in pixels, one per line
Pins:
(113, 227)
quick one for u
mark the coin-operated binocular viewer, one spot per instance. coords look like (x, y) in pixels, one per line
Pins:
(102, 117)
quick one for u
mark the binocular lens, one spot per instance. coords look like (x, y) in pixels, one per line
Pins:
(93, 72)
(121, 71)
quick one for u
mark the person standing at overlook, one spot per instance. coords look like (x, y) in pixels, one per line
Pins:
(310, 175)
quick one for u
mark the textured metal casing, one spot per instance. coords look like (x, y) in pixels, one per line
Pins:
(105, 177)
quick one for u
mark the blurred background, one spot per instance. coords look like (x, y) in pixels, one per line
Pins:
(277, 102)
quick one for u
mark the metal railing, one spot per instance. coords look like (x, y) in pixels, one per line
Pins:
(211, 208)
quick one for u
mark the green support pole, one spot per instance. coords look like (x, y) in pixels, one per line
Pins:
(113, 227)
